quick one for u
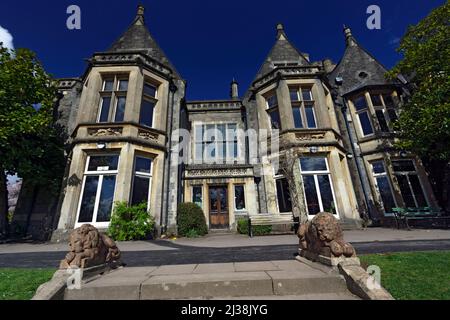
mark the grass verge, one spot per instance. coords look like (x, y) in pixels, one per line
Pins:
(21, 284)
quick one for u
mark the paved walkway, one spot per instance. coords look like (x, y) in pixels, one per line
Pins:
(250, 280)
(226, 248)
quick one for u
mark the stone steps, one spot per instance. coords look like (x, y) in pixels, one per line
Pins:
(274, 280)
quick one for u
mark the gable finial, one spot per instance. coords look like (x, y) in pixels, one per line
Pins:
(140, 13)
(348, 36)
(280, 31)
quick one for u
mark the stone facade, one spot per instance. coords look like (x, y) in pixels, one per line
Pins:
(127, 117)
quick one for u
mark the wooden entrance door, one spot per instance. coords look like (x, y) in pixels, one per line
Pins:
(218, 207)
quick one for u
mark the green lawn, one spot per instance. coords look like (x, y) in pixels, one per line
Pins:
(21, 284)
(414, 276)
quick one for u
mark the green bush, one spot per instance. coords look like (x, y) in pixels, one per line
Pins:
(242, 228)
(191, 219)
(131, 222)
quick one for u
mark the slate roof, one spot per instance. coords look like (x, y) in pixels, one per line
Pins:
(282, 51)
(138, 37)
(358, 68)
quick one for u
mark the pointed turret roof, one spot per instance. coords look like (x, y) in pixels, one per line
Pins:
(358, 68)
(282, 51)
(138, 38)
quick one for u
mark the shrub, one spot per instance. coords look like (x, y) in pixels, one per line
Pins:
(191, 219)
(242, 228)
(130, 222)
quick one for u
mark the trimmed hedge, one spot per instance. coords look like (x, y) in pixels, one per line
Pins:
(242, 228)
(191, 220)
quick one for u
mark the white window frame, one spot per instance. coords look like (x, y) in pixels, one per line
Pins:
(301, 104)
(316, 182)
(375, 181)
(101, 174)
(245, 197)
(226, 159)
(279, 176)
(154, 100)
(144, 175)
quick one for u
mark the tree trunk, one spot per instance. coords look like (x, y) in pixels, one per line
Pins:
(3, 205)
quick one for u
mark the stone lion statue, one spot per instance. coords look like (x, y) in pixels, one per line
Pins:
(89, 247)
(323, 235)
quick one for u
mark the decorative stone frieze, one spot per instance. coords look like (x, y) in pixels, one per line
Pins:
(223, 172)
(105, 132)
(147, 135)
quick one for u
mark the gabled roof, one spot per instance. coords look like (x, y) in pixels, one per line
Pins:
(358, 68)
(282, 51)
(138, 37)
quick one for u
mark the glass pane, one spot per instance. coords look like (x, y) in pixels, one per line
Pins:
(239, 197)
(376, 100)
(378, 167)
(326, 194)
(149, 90)
(275, 119)
(297, 117)
(231, 132)
(294, 94)
(88, 200)
(197, 196)
(210, 132)
(392, 115)
(103, 163)
(199, 151)
(106, 199)
(406, 191)
(360, 103)
(221, 132)
(311, 195)
(307, 94)
(365, 123)
(283, 196)
(221, 150)
(199, 133)
(108, 85)
(123, 85)
(235, 149)
(272, 101)
(388, 100)
(310, 118)
(146, 115)
(418, 192)
(384, 189)
(141, 186)
(104, 112)
(313, 164)
(382, 120)
(213, 199)
(210, 151)
(223, 199)
(403, 165)
(143, 165)
(120, 110)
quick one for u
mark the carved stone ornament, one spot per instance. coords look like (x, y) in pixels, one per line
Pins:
(309, 136)
(323, 236)
(148, 135)
(89, 248)
(105, 132)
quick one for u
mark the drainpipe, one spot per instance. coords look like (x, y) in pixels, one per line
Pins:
(172, 89)
(357, 155)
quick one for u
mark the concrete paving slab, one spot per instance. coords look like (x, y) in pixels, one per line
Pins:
(323, 296)
(174, 269)
(255, 266)
(214, 268)
(287, 265)
(235, 284)
(132, 272)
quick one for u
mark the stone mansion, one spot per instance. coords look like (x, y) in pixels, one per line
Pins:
(123, 116)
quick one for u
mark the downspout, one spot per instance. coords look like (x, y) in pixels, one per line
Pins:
(357, 155)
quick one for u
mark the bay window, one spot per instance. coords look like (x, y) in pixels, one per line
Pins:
(409, 183)
(149, 100)
(142, 181)
(363, 114)
(283, 194)
(273, 111)
(383, 185)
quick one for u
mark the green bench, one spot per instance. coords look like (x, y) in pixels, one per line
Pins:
(269, 220)
(407, 214)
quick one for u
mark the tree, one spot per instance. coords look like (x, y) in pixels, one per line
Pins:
(29, 142)
(424, 123)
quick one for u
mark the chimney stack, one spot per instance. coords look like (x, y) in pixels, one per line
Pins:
(234, 93)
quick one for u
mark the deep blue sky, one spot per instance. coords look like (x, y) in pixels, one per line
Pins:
(208, 41)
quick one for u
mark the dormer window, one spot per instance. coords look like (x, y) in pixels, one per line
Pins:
(113, 99)
(149, 100)
(302, 102)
